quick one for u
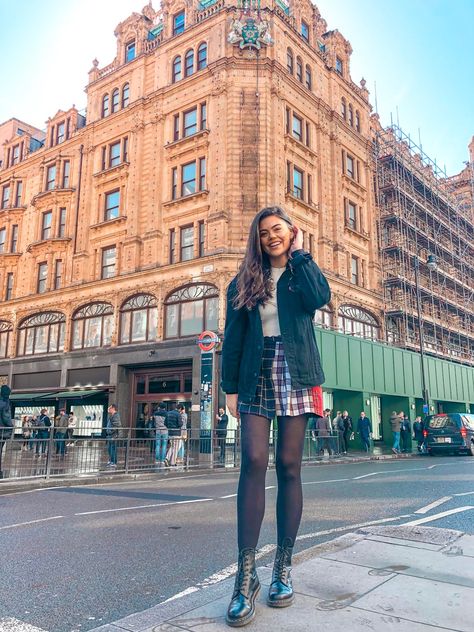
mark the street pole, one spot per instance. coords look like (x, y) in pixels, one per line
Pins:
(420, 328)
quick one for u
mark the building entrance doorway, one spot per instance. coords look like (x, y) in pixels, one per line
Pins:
(169, 384)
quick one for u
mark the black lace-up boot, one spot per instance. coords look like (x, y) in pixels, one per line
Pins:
(241, 609)
(280, 594)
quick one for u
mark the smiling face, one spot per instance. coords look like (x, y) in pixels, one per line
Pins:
(275, 239)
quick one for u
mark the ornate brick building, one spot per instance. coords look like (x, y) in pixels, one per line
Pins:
(120, 230)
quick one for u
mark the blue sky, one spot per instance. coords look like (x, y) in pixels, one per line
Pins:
(420, 54)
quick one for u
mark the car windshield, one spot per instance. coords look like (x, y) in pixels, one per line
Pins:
(437, 422)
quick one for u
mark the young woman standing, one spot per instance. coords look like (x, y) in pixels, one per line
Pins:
(271, 367)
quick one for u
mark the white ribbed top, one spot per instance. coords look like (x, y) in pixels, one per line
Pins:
(269, 311)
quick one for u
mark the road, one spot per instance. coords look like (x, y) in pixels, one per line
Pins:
(74, 558)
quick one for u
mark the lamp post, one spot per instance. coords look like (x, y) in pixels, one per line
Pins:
(431, 263)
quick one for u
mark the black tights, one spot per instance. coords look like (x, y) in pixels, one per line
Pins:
(255, 432)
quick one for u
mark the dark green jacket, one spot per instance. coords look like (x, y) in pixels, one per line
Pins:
(301, 290)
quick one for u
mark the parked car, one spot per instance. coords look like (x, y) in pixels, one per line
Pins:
(449, 432)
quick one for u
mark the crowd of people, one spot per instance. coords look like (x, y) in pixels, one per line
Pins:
(334, 434)
(402, 432)
(36, 431)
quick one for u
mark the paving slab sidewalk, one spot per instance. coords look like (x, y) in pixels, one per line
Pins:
(392, 578)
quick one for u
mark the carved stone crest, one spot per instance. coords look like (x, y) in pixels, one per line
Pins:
(249, 32)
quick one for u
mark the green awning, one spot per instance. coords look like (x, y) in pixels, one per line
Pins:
(31, 397)
(78, 394)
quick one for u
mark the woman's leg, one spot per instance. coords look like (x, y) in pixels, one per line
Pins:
(290, 442)
(255, 432)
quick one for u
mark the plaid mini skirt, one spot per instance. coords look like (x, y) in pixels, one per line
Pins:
(274, 395)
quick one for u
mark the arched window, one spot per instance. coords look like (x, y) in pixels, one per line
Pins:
(351, 116)
(324, 317)
(299, 69)
(190, 310)
(357, 322)
(115, 100)
(139, 319)
(202, 56)
(105, 105)
(177, 74)
(308, 78)
(357, 121)
(92, 326)
(125, 95)
(41, 333)
(189, 63)
(289, 60)
(5, 329)
(343, 108)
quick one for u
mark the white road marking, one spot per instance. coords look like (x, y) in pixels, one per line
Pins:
(464, 494)
(434, 504)
(220, 575)
(334, 480)
(350, 527)
(24, 524)
(413, 523)
(9, 624)
(229, 496)
(357, 478)
(178, 502)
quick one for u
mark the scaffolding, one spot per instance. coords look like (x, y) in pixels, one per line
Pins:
(422, 212)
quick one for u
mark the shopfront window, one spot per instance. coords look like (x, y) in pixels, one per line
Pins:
(41, 333)
(139, 319)
(93, 326)
(5, 330)
(190, 310)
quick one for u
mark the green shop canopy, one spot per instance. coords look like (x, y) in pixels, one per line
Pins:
(31, 397)
(78, 394)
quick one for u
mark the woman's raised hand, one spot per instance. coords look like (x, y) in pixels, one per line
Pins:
(231, 402)
(297, 241)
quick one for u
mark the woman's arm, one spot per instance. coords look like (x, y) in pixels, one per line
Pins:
(310, 281)
(234, 333)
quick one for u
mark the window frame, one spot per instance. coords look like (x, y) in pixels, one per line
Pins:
(179, 25)
(9, 286)
(202, 59)
(131, 306)
(58, 274)
(62, 222)
(14, 238)
(186, 183)
(3, 238)
(290, 65)
(66, 174)
(105, 109)
(176, 73)
(95, 310)
(125, 95)
(297, 135)
(51, 182)
(18, 193)
(130, 51)
(42, 278)
(51, 320)
(186, 127)
(308, 77)
(6, 189)
(204, 292)
(110, 210)
(298, 192)
(305, 28)
(189, 247)
(104, 267)
(189, 63)
(46, 229)
(115, 101)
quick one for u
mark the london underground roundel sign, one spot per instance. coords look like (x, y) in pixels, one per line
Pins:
(207, 340)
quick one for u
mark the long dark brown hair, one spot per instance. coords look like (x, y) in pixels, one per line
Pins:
(254, 278)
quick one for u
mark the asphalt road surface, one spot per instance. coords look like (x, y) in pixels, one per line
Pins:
(75, 558)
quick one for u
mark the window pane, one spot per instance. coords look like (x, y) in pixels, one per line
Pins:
(112, 203)
(190, 122)
(191, 318)
(187, 243)
(3, 344)
(212, 309)
(114, 155)
(30, 334)
(152, 323)
(62, 333)
(139, 325)
(108, 325)
(77, 328)
(189, 178)
(125, 327)
(41, 342)
(92, 330)
(53, 337)
(172, 321)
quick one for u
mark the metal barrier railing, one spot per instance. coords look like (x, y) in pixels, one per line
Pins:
(49, 453)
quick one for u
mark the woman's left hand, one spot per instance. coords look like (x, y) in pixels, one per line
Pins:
(297, 241)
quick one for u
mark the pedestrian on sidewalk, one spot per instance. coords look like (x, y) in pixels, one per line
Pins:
(364, 428)
(323, 427)
(161, 434)
(418, 435)
(221, 433)
(173, 421)
(113, 434)
(405, 432)
(183, 415)
(44, 428)
(26, 432)
(395, 422)
(61, 422)
(71, 426)
(271, 368)
(338, 428)
(348, 429)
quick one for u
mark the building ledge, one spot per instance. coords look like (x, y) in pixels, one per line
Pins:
(52, 242)
(306, 205)
(353, 182)
(289, 138)
(109, 223)
(115, 169)
(360, 233)
(56, 190)
(186, 140)
(192, 196)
